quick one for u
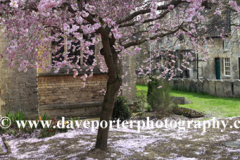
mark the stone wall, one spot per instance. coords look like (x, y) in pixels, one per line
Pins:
(129, 90)
(142, 80)
(207, 69)
(220, 88)
(18, 90)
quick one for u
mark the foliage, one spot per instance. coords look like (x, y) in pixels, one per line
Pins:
(141, 100)
(19, 116)
(148, 107)
(121, 110)
(142, 104)
(159, 98)
(16, 116)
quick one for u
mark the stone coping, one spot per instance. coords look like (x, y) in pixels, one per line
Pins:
(71, 106)
(217, 80)
(63, 72)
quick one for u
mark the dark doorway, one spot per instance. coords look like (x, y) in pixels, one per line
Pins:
(218, 70)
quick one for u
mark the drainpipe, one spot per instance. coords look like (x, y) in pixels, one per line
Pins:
(197, 66)
(150, 60)
(150, 50)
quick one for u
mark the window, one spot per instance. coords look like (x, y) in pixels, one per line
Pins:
(206, 45)
(226, 44)
(74, 52)
(227, 69)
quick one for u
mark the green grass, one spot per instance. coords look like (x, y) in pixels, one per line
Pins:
(216, 106)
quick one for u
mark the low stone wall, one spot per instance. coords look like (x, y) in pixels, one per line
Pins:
(141, 80)
(220, 88)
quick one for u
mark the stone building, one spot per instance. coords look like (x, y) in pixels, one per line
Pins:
(37, 92)
(224, 54)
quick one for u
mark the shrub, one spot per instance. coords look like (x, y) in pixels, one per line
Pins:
(19, 116)
(16, 116)
(159, 99)
(148, 107)
(121, 110)
(141, 98)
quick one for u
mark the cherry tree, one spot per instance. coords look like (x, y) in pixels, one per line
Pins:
(119, 25)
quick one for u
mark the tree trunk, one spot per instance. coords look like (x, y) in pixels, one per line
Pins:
(113, 85)
(107, 109)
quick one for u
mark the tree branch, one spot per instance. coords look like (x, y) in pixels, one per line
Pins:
(163, 7)
(146, 21)
(130, 44)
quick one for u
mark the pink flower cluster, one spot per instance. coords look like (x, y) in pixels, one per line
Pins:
(46, 5)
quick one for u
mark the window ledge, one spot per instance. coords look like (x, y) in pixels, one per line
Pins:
(226, 77)
(63, 72)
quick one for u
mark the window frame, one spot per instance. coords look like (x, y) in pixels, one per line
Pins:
(226, 41)
(65, 48)
(224, 67)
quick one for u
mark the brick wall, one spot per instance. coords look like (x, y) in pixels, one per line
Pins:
(65, 89)
(60, 95)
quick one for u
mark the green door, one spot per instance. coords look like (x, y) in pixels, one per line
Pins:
(217, 64)
(239, 66)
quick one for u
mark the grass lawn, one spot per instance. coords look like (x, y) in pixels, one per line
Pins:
(216, 106)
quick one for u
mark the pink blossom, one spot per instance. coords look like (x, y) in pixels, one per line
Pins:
(170, 7)
(233, 4)
(66, 27)
(79, 19)
(236, 27)
(117, 36)
(90, 8)
(46, 5)
(96, 26)
(84, 14)
(75, 73)
(23, 65)
(14, 3)
(137, 49)
(218, 13)
(90, 75)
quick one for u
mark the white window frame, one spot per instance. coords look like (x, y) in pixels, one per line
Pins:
(228, 65)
